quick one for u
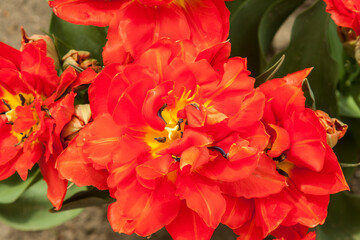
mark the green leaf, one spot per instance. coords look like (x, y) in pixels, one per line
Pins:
(30, 211)
(79, 37)
(271, 21)
(244, 22)
(347, 152)
(336, 48)
(309, 48)
(309, 94)
(343, 219)
(12, 188)
(348, 106)
(89, 198)
(269, 73)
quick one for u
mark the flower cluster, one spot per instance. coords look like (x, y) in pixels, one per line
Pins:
(175, 129)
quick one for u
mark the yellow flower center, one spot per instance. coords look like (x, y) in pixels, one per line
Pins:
(21, 113)
(160, 140)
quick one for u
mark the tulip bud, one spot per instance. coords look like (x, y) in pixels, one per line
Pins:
(351, 42)
(80, 59)
(335, 129)
(80, 118)
(50, 47)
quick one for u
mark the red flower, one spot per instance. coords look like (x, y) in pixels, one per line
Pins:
(302, 170)
(164, 135)
(345, 13)
(31, 119)
(135, 25)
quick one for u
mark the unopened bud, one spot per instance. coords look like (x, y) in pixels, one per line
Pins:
(351, 42)
(80, 59)
(334, 128)
(80, 118)
(50, 47)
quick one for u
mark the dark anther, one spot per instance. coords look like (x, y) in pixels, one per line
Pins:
(22, 140)
(6, 104)
(195, 105)
(179, 123)
(10, 122)
(46, 110)
(22, 99)
(181, 134)
(2, 113)
(160, 111)
(160, 139)
(177, 159)
(282, 172)
(220, 150)
(280, 158)
(186, 122)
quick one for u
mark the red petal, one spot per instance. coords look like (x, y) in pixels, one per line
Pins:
(309, 210)
(250, 112)
(190, 138)
(72, 166)
(308, 141)
(38, 69)
(329, 180)
(57, 186)
(155, 167)
(89, 12)
(27, 159)
(345, 13)
(217, 55)
(99, 89)
(281, 140)
(202, 196)
(148, 210)
(234, 87)
(99, 139)
(264, 181)
(271, 211)
(250, 231)
(208, 22)
(24, 118)
(296, 79)
(195, 157)
(153, 102)
(128, 107)
(296, 232)
(238, 212)
(10, 53)
(189, 225)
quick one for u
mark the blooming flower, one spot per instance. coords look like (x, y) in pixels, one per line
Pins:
(33, 114)
(345, 13)
(299, 155)
(135, 25)
(164, 135)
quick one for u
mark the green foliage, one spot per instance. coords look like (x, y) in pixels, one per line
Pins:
(270, 72)
(30, 211)
(253, 25)
(87, 198)
(343, 219)
(71, 36)
(244, 21)
(12, 188)
(309, 48)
